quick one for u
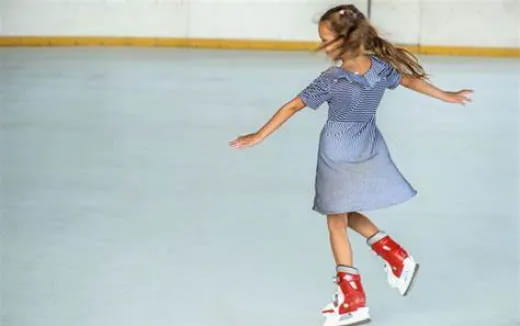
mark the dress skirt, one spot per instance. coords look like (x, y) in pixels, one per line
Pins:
(355, 171)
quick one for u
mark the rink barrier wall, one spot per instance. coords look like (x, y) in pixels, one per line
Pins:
(237, 44)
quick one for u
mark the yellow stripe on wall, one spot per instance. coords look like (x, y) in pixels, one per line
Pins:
(236, 44)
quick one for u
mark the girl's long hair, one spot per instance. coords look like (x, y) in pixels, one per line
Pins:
(359, 36)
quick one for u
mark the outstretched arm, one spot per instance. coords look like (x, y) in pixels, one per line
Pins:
(282, 115)
(424, 87)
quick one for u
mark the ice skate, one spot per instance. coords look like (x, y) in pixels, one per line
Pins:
(400, 267)
(348, 306)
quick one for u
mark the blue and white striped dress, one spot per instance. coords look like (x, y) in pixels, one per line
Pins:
(355, 171)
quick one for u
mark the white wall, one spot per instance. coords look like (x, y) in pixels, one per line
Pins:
(440, 22)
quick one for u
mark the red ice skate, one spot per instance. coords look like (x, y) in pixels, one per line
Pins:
(400, 267)
(348, 306)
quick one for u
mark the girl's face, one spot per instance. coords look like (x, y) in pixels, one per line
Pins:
(326, 35)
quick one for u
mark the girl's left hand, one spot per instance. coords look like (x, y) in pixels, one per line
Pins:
(461, 96)
(245, 140)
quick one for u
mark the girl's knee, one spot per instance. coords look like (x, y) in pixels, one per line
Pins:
(337, 222)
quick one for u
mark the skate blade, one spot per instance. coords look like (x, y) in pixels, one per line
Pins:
(416, 269)
(331, 321)
(360, 317)
(361, 322)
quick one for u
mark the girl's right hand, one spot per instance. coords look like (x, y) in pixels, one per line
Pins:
(245, 140)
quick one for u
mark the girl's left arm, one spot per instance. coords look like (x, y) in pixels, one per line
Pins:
(421, 86)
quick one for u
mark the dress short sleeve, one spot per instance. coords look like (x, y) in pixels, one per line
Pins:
(393, 77)
(317, 92)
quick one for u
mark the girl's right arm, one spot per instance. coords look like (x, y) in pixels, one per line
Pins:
(282, 115)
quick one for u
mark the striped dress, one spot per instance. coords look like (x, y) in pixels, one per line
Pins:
(355, 171)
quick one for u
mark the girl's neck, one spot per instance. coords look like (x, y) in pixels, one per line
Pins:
(359, 64)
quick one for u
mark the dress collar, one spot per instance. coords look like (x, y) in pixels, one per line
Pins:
(368, 80)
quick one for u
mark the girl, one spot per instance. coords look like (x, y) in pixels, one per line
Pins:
(355, 171)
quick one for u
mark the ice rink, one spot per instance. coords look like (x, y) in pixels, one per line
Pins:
(124, 205)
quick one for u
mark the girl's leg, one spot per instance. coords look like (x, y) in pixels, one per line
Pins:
(400, 266)
(362, 224)
(349, 303)
(339, 242)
